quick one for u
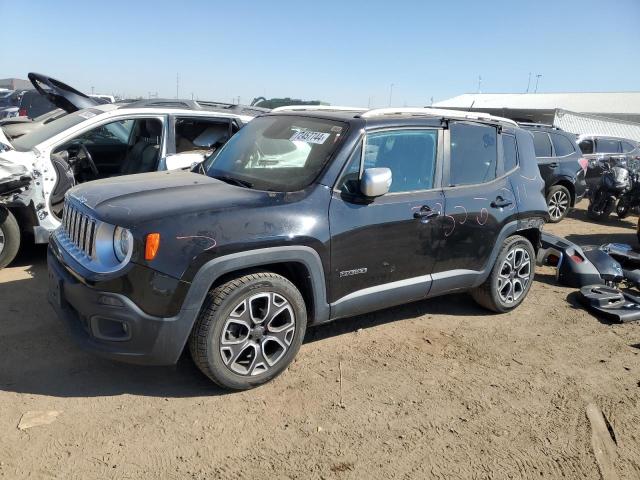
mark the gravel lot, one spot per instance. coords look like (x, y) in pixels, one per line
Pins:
(437, 389)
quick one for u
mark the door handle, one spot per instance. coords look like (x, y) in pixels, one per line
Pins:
(500, 202)
(425, 212)
(553, 164)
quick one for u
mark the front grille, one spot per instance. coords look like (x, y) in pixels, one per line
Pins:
(80, 228)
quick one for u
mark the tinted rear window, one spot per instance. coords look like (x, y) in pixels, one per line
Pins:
(473, 154)
(542, 144)
(561, 145)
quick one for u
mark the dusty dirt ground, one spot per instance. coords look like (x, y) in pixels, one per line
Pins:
(438, 389)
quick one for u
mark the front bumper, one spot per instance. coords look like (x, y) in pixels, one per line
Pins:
(110, 324)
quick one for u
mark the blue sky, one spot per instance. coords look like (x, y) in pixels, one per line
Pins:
(343, 52)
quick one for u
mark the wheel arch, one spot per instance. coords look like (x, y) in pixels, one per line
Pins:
(568, 184)
(292, 262)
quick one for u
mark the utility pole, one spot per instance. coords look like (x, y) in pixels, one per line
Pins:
(91, 89)
(369, 102)
(479, 83)
(537, 79)
(529, 82)
(177, 85)
(390, 93)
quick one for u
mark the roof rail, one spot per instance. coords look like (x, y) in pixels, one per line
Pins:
(330, 108)
(436, 112)
(541, 125)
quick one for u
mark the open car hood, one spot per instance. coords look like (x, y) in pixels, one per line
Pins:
(62, 95)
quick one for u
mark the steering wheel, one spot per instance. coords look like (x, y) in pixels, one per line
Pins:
(82, 148)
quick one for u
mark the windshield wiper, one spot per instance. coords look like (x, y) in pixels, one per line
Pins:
(233, 181)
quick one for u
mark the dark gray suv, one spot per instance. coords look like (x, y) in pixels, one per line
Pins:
(562, 168)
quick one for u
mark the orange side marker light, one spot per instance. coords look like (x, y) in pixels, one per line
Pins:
(152, 245)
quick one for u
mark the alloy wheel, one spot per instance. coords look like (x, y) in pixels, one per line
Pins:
(257, 334)
(2, 240)
(558, 204)
(514, 276)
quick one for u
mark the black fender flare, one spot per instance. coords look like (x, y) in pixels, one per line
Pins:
(216, 268)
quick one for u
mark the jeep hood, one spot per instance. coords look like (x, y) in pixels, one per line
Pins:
(133, 199)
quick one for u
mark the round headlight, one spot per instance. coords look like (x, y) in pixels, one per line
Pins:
(122, 243)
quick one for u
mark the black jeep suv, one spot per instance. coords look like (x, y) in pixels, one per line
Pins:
(562, 167)
(301, 218)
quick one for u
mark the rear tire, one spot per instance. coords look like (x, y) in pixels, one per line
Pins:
(9, 237)
(511, 277)
(558, 202)
(248, 330)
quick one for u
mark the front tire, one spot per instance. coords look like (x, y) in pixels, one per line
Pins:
(558, 202)
(511, 277)
(9, 237)
(249, 330)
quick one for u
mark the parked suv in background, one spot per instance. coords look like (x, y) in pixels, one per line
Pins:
(562, 167)
(598, 148)
(306, 215)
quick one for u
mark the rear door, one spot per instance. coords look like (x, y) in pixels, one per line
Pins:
(479, 201)
(383, 249)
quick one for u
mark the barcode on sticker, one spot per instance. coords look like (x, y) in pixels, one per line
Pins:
(310, 137)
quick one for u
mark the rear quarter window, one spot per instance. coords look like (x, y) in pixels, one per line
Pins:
(510, 152)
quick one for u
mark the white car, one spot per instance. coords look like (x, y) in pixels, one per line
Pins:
(98, 142)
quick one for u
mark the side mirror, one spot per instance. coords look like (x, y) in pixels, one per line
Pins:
(178, 161)
(375, 182)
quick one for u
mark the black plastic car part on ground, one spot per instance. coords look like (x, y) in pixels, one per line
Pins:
(562, 167)
(302, 217)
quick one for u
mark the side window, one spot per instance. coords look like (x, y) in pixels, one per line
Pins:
(473, 153)
(542, 144)
(409, 154)
(607, 145)
(627, 147)
(200, 135)
(510, 152)
(114, 133)
(561, 145)
(586, 146)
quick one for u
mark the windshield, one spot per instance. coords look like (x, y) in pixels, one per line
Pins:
(279, 153)
(51, 129)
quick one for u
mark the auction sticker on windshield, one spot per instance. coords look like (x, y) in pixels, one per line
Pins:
(310, 137)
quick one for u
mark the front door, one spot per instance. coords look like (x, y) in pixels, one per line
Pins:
(383, 249)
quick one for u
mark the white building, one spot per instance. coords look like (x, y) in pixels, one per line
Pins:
(614, 113)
